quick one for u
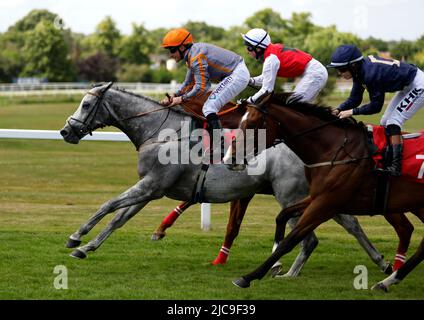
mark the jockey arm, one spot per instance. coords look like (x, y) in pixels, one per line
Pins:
(188, 82)
(355, 97)
(199, 71)
(266, 79)
(375, 105)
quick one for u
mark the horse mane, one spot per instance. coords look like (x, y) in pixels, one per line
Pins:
(319, 111)
(177, 109)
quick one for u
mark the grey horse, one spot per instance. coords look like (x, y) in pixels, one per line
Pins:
(142, 119)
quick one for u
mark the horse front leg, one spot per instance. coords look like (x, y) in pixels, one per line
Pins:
(307, 246)
(170, 219)
(313, 216)
(281, 221)
(351, 225)
(237, 210)
(404, 230)
(122, 216)
(140, 192)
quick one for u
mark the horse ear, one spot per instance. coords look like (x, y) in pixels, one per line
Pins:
(110, 84)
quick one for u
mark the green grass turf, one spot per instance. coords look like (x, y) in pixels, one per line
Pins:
(49, 188)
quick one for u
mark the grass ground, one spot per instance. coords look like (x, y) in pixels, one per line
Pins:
(49, 188)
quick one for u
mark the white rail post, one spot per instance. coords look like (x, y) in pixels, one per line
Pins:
(205, 216)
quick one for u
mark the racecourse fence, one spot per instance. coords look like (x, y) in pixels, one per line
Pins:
(74, 88)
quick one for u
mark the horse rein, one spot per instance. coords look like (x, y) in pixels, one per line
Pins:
(333, 162)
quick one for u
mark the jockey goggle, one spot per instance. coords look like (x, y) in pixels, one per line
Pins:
(172, 49)
(249, 46)
(343, 69)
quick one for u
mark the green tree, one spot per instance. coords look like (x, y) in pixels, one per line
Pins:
(404, 50)
(267, 19)
(46, 54)
(378, 44)
(418, 59)
(11, 58)
(135, 49)
(31, 20)
(202, 32)
(12, 42)
(107, 37)
(323, 42)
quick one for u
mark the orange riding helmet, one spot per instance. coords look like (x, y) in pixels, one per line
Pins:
(177, 37)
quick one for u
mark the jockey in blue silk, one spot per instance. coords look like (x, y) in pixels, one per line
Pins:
(378, 76)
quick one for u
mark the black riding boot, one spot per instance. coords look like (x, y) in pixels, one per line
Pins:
(214, 124)
(397, 148)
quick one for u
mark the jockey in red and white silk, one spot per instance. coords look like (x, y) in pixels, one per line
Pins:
(282, 61)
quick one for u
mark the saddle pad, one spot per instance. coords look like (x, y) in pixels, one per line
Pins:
(413, 153)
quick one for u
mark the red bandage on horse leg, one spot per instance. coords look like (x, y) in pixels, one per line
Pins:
(399, 260)
(222, 256)
(170, 219)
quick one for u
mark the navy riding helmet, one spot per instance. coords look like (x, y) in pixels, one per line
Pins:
(345, 55)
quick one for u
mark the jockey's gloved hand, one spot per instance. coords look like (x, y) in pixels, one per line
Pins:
(252, 82)
(167, 100)
(335, 111)
(245, 101)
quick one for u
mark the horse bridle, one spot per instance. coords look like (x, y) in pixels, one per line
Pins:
(87, 122)
(87, 128)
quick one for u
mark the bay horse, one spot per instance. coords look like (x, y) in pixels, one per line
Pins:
(238, 207)
(339, 169)
(142, 119)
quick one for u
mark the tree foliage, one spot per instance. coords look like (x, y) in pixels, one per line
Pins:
(34, 47)
(46, 54)
(98, 67)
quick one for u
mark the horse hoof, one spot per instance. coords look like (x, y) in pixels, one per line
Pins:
(241, 283)
(286, 275)
(217, 262)
(380, 287)
(72, 243)
(78, 254)
(275, 271)
(389, 269)
(157, 236)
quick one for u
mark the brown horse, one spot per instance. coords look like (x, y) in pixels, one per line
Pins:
(238, 208)
(339, 170)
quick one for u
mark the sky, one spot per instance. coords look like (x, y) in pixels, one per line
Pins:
(384, 19)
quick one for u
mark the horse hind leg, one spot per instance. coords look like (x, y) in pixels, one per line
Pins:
(122, 216)
(237, 211)
(404, 230)
(410, 264)
(351, 225)
(170, 219)
(397, 276)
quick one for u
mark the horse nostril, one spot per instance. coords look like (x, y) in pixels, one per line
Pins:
(63, 133)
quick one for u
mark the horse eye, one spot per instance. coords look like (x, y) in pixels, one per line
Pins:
(86, 105)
